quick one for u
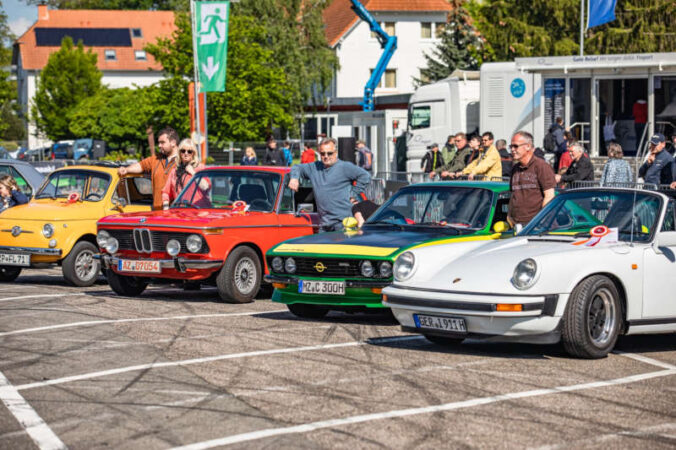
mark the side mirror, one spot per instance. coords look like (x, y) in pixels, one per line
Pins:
(119, 203)
(501, 227)
(305, 208)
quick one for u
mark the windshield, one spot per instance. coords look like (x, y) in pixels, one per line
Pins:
(419, 117)
(222, 188)
(438, 206)
(89, 186)
(633, 214)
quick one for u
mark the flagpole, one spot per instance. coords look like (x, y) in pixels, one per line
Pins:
(196, 75)
(581, 27)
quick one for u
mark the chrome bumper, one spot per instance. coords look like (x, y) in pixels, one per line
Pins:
(180, 264)
(31, 250)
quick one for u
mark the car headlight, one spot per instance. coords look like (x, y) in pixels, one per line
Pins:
(48, 230)
(112, 245)
(102, 237)
(525, 274)
(367, 269)
(385, 269)
(277, 264)
(193, 243)
(290, 265)
(173, 247)
(403, 266)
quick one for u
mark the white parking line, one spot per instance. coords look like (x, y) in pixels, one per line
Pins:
(37, 429)
(333, 423)
(185, 362)
(138, 319)
(23, 297)
(646, 360)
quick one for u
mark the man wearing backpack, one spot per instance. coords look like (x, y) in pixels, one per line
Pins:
(554, 141)
(365, 156)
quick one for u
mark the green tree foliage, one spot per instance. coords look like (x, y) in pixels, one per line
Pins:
(11, 126)
(256, 92)
(295, 30)
(69, 77)
(640, 26)
(461, 47)
(181, 5)
(517, 28)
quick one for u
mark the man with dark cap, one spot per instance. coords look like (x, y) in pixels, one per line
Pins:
(659, 167)
(432, 159)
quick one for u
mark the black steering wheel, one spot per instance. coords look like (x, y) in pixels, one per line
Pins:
(393, 216)
(94, 196)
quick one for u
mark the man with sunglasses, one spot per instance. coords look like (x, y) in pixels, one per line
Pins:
(659, 167)
(336, 184)
(532, 182)
(459, 161)
(158, 165)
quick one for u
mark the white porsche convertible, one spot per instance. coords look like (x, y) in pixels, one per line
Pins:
(593, 264)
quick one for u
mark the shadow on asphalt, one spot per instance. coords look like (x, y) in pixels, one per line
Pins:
(337, 317)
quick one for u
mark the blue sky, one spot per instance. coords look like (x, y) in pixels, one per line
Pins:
(19, 15)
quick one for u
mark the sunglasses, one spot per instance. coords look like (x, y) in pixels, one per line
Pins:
(515, 146)
(327, 153)
(187, 152)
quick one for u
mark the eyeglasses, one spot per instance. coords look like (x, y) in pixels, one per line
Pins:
(187, 152)
(327, 153)
(515, 146)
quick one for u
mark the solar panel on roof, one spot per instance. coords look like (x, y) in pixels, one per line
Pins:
(90, 37)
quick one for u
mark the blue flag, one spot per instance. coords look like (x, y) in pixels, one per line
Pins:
(600, 12)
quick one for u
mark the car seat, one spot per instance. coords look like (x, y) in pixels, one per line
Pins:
(251, 192)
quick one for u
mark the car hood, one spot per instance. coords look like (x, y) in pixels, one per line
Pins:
(489, 268)
(48, 210)
(191, 218)
(370, 241)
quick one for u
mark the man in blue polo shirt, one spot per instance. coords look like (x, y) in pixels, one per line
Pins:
(337, 185)
(659, 167)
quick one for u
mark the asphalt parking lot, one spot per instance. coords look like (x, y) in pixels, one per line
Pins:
(85, 368)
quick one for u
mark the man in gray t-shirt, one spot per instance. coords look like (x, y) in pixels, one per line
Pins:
(336, 185)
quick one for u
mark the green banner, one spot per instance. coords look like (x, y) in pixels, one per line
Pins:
(211, 22)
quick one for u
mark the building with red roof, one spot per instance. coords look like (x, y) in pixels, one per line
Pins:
(117, 37)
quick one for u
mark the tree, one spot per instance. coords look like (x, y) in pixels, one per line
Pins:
(11, 126)
(295, 31)
(640, 26)
(255, 98)
(461, 47)
(69, 77)
(518, 28)
(171, 5)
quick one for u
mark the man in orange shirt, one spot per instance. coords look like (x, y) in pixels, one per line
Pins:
(159, 165)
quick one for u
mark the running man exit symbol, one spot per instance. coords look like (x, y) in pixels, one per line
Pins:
(211, 24)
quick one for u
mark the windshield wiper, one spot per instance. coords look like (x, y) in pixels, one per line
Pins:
(186, 204)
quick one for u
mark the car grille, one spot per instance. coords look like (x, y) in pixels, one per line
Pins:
(332, 267)
(144, 240)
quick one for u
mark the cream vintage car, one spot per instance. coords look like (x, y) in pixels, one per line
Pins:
(592, 265)
(58, 226)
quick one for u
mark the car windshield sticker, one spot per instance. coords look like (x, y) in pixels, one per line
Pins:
(600, 234)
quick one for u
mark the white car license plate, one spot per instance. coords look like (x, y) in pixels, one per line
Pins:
(13, 259)
(321, 287)
(453, 324)
(130, 265)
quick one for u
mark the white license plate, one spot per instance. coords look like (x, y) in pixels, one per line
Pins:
(453, 324)
(321, 287)
(12, 259)
(130, 265)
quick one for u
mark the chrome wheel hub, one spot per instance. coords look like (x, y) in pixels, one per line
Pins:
(85, 265)
(245, 275)
(601, 317)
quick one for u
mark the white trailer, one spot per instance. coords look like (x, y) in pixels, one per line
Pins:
(439, 109)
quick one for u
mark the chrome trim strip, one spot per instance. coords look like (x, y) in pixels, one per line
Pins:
(32, 250)
(169, 263)
(22, 231)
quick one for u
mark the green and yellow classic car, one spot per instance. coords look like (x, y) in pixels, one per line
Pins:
(346, 270)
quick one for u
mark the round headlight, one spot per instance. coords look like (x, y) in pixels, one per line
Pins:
(48, 230)
(367, 269)
(290, 265)
(102, 237)
(403, 266)
(385, 269)
(524, 274)
(277, 264)
(193, 243)
(173, 247)
(112, 245)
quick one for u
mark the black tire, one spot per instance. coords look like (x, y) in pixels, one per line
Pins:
(446, 341)
(592, 320)
(240, 278)
(9, 273)
(79, 267)
(126, 286)
(305, 311)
